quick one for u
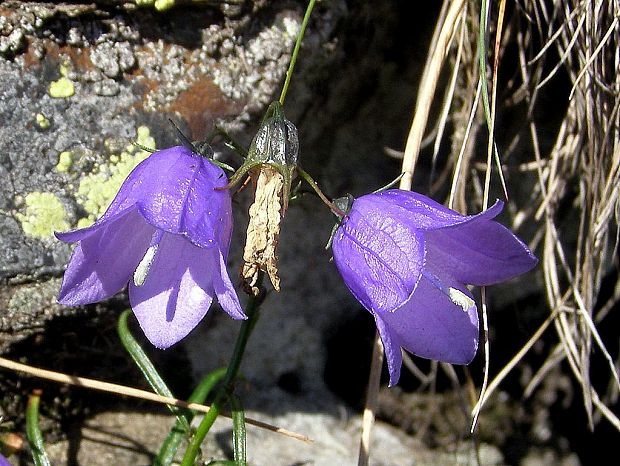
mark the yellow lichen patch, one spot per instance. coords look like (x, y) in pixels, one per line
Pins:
(65, 160)
(43, 215)
(144, 138)
(163, 5)
(62, 88)
(98, 189)
(42, 121)
(64, 69)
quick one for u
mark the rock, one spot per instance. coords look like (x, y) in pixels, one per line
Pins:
(134, 438)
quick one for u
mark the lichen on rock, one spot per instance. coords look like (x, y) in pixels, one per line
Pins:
(44, 214)
(62, 88)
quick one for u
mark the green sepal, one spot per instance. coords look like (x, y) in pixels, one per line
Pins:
(344, 204)
(275, 145)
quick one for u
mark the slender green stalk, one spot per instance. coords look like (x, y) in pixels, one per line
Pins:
(300, 37)
(33, 432)
(247, 326)
(314, 185)
(238, 415)
(489, 112)
(170, 446)
(482, 59)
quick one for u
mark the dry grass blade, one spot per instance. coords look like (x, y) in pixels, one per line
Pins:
(133, 393)
(586, 152)
(580, 168)
(428, 84)
(451, 87)
(598, 49)
(459, 160)
(515, 360)
(444, 31)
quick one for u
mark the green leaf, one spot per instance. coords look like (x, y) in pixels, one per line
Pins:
(147, 368)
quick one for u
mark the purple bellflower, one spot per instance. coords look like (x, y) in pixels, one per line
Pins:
(167, 233)
(408, 259)
(4, 461)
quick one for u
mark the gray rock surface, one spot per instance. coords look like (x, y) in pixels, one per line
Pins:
(121, 438)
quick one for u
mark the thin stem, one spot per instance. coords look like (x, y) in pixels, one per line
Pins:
(231, 374)
(33, 430)
(300, 36)
(313, 184)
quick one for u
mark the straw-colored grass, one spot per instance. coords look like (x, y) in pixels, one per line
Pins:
(572, 167)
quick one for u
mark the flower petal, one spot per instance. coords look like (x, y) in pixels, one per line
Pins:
(104, 259)
(174, 190)
(379, 257)
(177, 194)
(73, 236)
(420, 211)
(178, 290)
(226, 294)
(432, 326)
(391, 347)
(478, 252)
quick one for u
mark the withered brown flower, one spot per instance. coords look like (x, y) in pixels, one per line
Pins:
(271, 164)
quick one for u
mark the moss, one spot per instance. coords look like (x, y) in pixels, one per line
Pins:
(62, 88)
(42, 121)
(97, 189)
(44, 214)
(65, 161)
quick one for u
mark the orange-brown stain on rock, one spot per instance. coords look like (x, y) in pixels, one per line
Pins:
(79, 57)
(201, 104)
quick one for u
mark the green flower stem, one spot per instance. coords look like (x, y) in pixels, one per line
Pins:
(313, 184)
(300, 37)
(247, 326)
(239, 438)
(170, 446)
(33, 431)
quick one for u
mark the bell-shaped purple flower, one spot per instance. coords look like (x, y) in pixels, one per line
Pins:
(408, 260)
(167, 233)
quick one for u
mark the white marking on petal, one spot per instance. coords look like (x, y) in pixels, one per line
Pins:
(139, 276)
(461, 299)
